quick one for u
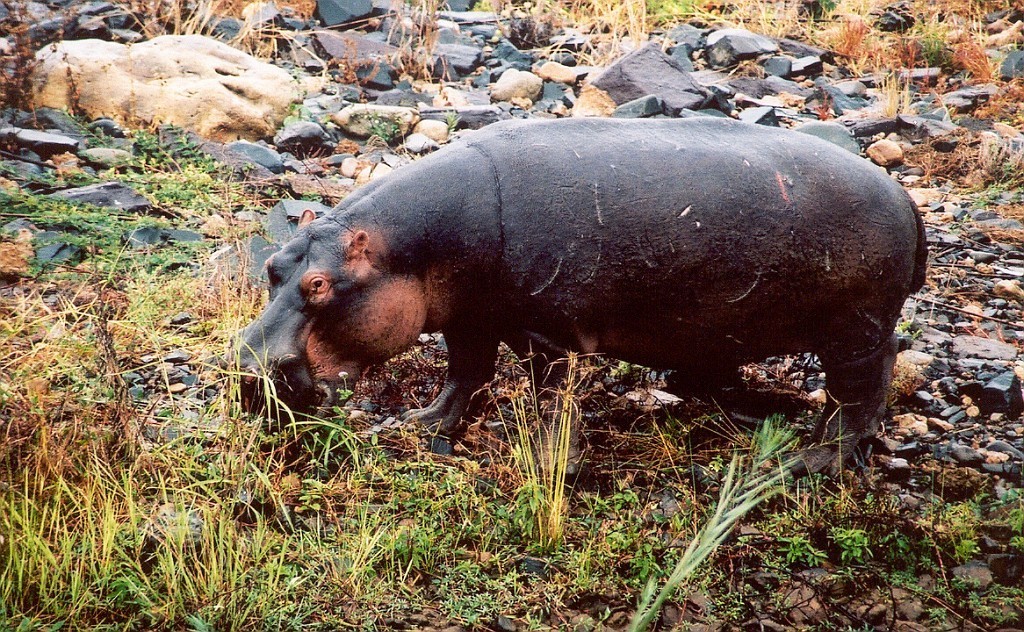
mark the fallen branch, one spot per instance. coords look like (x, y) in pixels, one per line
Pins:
(1016, 325)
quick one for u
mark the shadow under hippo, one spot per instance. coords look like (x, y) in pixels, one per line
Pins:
(696, 245)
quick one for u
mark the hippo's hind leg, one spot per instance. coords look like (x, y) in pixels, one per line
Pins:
(858, 387)
(471, 357)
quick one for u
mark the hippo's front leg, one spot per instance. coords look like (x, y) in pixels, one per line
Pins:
(471, 357)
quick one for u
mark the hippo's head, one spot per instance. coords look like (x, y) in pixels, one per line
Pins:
(334, 309)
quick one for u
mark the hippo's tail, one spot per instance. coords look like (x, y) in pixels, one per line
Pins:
(921, 256)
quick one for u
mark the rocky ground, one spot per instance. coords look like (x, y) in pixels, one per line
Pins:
(355, 90)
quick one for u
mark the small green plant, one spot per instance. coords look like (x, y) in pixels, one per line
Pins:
(384, 128)
(630, 374)
(672, 11)
(328, 441)
(800, 550)
(853, 544)
(452, 119)
(1017, 528)
(899, 550)
(312, 497)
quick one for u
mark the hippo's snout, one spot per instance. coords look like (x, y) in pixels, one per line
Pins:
(271, 386)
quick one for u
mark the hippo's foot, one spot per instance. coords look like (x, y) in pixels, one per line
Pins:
(558, 442)
(430, 418)
(550, 457)
(828, 459)
(444, 414)
(853, 413)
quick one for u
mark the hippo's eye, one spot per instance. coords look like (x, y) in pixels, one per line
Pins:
(316, 285)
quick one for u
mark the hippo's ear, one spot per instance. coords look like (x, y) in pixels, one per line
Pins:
(307, 216)
(356, 248)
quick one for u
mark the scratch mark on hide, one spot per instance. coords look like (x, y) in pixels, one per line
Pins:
(782, 187)
(749, 290)
(558, 268)
(593, 271)
(597, 205)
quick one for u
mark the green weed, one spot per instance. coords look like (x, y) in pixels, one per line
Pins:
(739, 494)
(853, 545)
(800, 550)
(385, 129)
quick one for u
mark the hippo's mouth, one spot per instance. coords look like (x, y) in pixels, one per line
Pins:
(331, 393)
(294, 387)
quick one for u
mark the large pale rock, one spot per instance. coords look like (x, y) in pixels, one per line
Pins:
(435, 130)
(187, 80)
(593, 102)
(886, 153)
(554, 71)
(364, 120)
(517, 84)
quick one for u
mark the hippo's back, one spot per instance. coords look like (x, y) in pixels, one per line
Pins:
(640, 238)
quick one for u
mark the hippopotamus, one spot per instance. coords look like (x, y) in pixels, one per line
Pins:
(696, 245)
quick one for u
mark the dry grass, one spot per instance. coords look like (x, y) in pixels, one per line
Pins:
(17, 63)
(849, 37)
(947, 34)
(896, 96)
(418, 37)
(1001, 162)
(775, 19)
(615, 27)
(970, 56)
(542, 454)
(160, 17)
(1009, 211)
(178, 17)
(978, 161)
(1006, 106)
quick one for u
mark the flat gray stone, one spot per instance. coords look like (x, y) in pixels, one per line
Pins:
(452, 61)
(727, 47)
(975, 572)
(761, 115)
(640, 108)
(106, 156)
(337, 12)
(43, 143)
(259, 154)
(649, 71)
(353, 48)
(835, 133)
(1012, 66)
(108, 195)
(984, 348)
